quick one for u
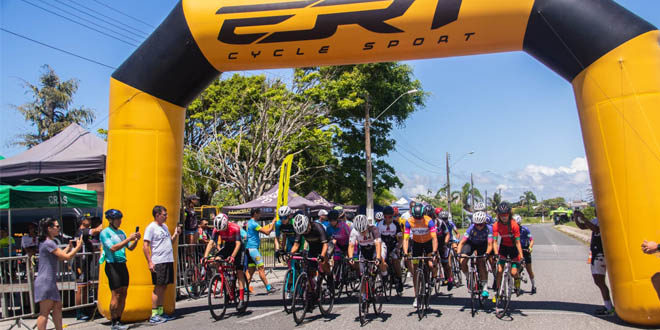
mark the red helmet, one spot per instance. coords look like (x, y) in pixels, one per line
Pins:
(438, 210)
(396, 210)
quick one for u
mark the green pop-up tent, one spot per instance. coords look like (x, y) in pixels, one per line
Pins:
(30, 197)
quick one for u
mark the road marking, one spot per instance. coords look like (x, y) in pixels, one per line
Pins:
(260, 316)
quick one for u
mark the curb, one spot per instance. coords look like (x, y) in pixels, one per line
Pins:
(579, 234)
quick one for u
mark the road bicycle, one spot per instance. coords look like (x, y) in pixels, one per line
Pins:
(289, 284)
(473, 286)
(522, 273)
(223, 291)
(308, 292)
(392, 281)
(372, 289)
(456, 269)
(503, 295)
(346, 279)
(196, 275)
(423, 280)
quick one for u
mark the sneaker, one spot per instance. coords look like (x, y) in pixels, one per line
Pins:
(272, 290)
(533, 290)
(485, 294)
(604, 312)
(167, 317)
(288, 295)
(450, 285)
(119, 326)
(156, 319)
(415, 303)
(241, 306)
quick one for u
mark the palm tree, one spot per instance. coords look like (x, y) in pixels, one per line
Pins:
(467, 194)
(526, 199)
(496, 200)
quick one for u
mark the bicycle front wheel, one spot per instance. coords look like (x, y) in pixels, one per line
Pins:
(287, 290)
(326, 294)
(503, 297)
(421, 292)
(216, 297)
(378, 294)
(473, 296)
(300, 299)
(363, 301)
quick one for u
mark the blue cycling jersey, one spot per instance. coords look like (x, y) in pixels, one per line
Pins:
(253, 239)
(525, 237)
(478, 237)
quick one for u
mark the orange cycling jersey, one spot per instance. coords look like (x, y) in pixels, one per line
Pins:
(422, 230)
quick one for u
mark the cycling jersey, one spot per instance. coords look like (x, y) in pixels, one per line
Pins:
(369, 238)
(253, 239)
(451, 226)
(286, 230)
(389, 233)
(441, 231)
(340, 233)
(315, 238)
(525, 237)
(422, 230)
(478, 237)
(230, 235)
(508, 236)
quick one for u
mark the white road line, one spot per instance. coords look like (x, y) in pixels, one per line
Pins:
(260, 316)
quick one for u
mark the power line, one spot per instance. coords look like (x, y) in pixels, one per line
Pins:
(58, 49)
(127, 15)
(111, 18)
(101, 19)
(71, 20)
(416, 164)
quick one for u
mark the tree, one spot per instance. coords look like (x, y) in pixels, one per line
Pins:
(466, 195)
(527, 198)
(496, 200)
(349, 92)
(554, 203)
(51, 110)
(239, 130)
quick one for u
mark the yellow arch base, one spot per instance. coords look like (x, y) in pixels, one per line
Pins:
(146, 143)
(618, 99)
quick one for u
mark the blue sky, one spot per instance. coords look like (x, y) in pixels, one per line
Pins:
(518, 117)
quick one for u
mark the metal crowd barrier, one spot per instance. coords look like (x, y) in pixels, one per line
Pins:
(77, 282)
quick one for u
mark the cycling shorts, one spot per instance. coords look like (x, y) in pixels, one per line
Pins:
(226, 252)
(257, 259)
(469, 248)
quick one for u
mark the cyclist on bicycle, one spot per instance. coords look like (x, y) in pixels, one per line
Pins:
(527, 243)
(284, 231)
(510, 246)
(231, 251)
(478, 238)
(391, 235)
(481, 206)
(314, 234)
(339, 233)
(442, 231)
(366, 238)
(424, 240)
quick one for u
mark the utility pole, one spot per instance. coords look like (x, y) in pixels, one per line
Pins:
(486, 200)
(448, 187)
(367, 144)
(472, 190)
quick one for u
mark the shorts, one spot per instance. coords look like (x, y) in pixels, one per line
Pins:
(422, 249)
(470, 248)
(163, 274)
(117, 275)
(226, 252)
(528, 257)
(444, 254)
(256, 257)
(190, 232)
(598, 264)
(509, 252)
(391, 251)
(369, 252)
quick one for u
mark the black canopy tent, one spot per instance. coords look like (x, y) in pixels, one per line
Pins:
(267, 203)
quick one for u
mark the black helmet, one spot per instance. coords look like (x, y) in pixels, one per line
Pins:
(503, 208)
(429, 210)
(388, 210)
(417, 211)
(113, 214)
(333, 215)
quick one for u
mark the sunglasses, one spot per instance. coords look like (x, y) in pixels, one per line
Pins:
(55, 226)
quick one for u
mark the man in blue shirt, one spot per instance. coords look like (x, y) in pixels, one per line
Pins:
(254, 229)
(284, 228)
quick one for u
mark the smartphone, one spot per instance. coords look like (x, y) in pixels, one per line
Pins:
(137, 229)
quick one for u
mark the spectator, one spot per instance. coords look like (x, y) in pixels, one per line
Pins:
(114, 243)
(30, 241)
(190, 222)
(160, 258)
(254, 229)
(203, 236)
(45, 285)
(598, 265)
(84, 268)
(651, 248)
(323, 216)
(5, 240)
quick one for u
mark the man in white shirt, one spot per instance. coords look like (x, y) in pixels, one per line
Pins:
(160, 258)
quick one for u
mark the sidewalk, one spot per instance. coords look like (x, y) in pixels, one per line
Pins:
(580, 234)
(69, 319)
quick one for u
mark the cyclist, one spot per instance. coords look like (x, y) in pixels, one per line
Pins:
(284, 231)
(527, 243)
(254, 229)
(478, 238)
(391, 235)
(424, 240)
(510, 246)
(229, 233)
(442, 231)
(481, 206)
(378, 218)
(323, 216)
(314, 234)
(338, 233)
(454, 235)
(366, 238)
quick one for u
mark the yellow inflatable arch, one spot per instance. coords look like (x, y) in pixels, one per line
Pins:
(609, 55)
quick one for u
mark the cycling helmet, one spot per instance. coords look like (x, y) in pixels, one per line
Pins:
(284, 211)
(221, 222)
(429, 210)
(379, 216)
(417, 211)
(480, 206)
(438, 210)
(360, 223)
(503, 208)
(396, 210)
(443, 215)
(517, 218)
(300, 224)
(112, 214)
(388, 210)
(322, 213)
(333, 215)
(479, 217)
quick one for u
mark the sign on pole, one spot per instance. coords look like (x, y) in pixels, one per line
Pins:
(283, 186)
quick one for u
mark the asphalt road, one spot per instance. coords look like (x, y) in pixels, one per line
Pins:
(566, 299)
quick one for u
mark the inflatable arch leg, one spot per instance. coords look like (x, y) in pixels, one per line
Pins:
(611, 57)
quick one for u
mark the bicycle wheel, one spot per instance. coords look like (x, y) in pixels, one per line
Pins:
(287, 290)
(216, 297)
(471, 288)
(363, 299)
(338, 274)
(421, 291)
(438, 285)
(300, 299)
(326, 294)
(456, 269)
(503, 296)
(354, 280)
(378, 294)
(404, 272)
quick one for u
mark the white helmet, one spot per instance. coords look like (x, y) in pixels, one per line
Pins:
(322, 213)
(300, 224)
(360, 223)
(517, 218)
(284, 211)
(479, 217)
(221, 221)
(379, 216)
(479, 206)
